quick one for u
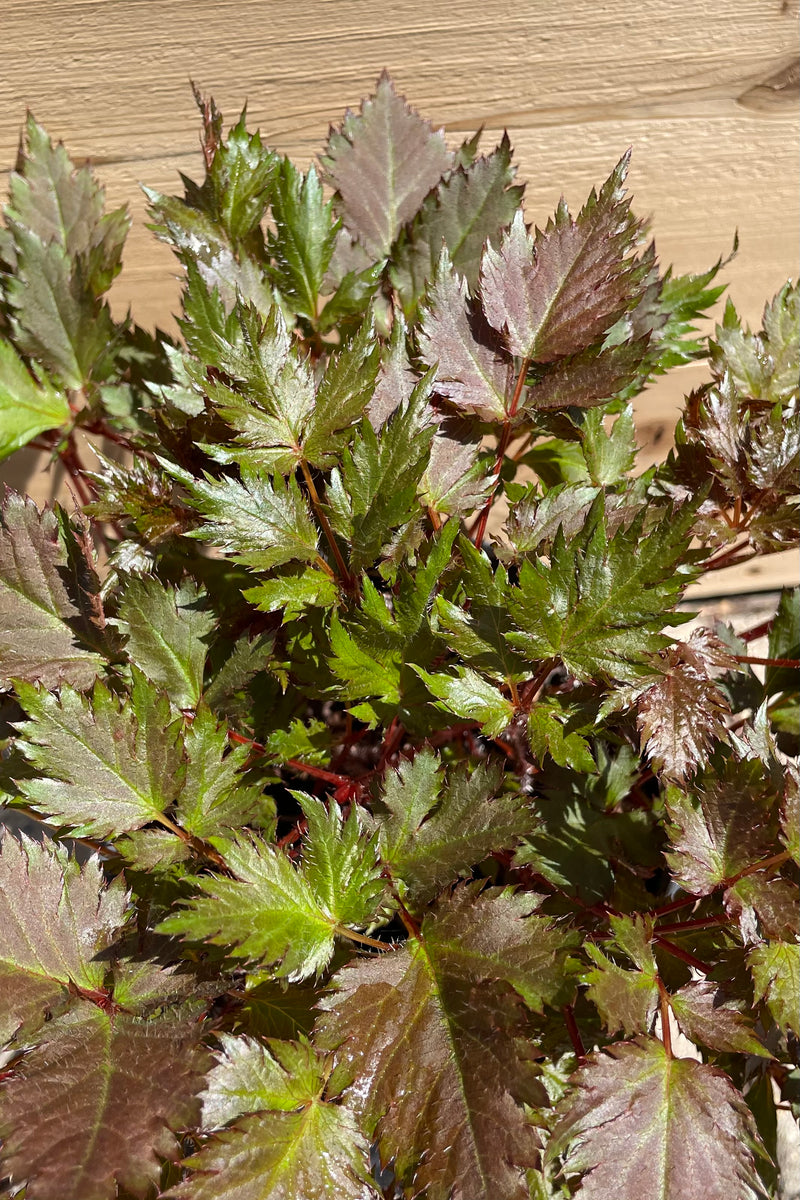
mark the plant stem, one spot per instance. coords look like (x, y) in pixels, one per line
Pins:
(479, 529)
(683, 955)
(697, 923)
(574, 1033)
(794, 663)
(666, 1032)
(361, 938)
(319, 772)
(773, 861)
(346, 577)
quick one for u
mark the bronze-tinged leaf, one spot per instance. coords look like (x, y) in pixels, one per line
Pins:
(474, 377)
(558, 293)
(383, 162)
(775, 967)
(683, 712)
(589, 378)
(707, 1016)
(643, 1124)
(427, 1038)
(625, 999)
(724, 831)
(55, 918)
(38, 615)
(94, 1105)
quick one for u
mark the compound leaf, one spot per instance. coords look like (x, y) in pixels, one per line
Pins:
(165, 629)
(304, 237)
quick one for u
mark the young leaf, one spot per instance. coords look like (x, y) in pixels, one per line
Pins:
(682, 713)
(239, 182)
(165, 629)
(262, 522)
(437, 830)
(456, 996)
(472, 698)
(626, 1000)
(28, 406)
(56, 919)
(600, 602)
(286, 918)
(94, 1105)
(299, 1143)
(383, 162)
(560, 292)
(686, 1129)
(304, 238)
(472, 375)
(103, 768)
(39, 614)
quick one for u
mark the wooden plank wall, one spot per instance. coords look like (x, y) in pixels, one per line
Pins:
(706, 93)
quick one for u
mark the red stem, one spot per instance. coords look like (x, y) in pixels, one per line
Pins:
(478, 531)
(574, 1033)
(666, 1032)
(683, 955)
(768, 662)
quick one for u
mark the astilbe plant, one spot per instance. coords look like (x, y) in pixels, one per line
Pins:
(388, 847)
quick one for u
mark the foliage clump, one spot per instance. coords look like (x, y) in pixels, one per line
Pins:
(388, 845)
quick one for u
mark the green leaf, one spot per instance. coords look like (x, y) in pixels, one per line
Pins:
(609, 456)
(42, 623)
(472, 698)
(262, 523)
(686, 1129)
(304, 238)
(214, 797)
(383, 162)
(558, 293)
(56, 919)
(294, 592)
(300, 1143)
(114, 1087)
(470, 206)
(775, 967)
(626, 1000)
(103, 767)
(763, 365)
(239, 182)
(431, 1029)
(436, 830)
(28, 406)
(280, 916)
(342, 397)
(784, 642)
(165, 629)
(471, 374)
(548, 733)
(599, 604)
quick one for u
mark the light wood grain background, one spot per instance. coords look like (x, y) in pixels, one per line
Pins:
(705, 92)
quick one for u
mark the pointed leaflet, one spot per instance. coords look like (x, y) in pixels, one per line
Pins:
(238, 181)
(762, 365)
(304, 238)
(298, 1144)
(342, 397)
(67, 253)
(471, 697)
(587, 379)
(682, 713)
(56, 918)
(626, 1000)
(728, 827)
(38, 610)
(437, 830)
(28, 405)
(283, 917)
(165, 628)
(456, 481)
(600, 602)
(261, 522)
(560, 292)
(383, 162)
(706, 1016)
(427, 1034)
(469, 207)
(103, 767)
(775, 967)
(685, 1128)
(94, 1104)
(472, 375)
